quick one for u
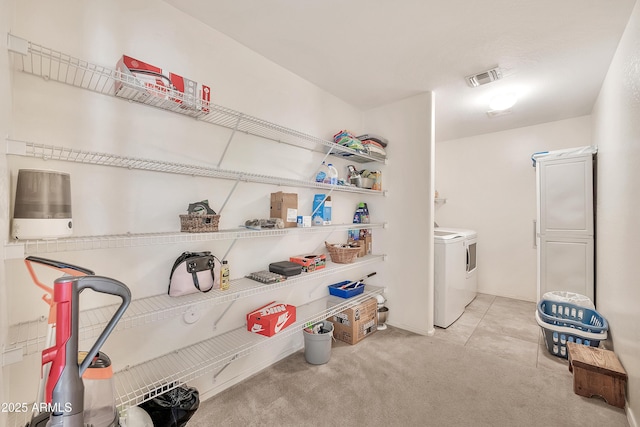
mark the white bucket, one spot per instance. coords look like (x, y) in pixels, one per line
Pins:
(317, 347)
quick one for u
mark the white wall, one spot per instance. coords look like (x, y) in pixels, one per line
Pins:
(109, 200)
(409, 210)
(5, 109)
(616, 131)
(489, 186)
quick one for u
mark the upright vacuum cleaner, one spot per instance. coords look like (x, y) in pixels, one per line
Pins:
(64, 387)
(69, 269)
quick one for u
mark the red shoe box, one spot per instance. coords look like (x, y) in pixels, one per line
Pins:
(271, 318)
(159, 83)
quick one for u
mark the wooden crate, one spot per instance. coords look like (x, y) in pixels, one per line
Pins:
(597, 372)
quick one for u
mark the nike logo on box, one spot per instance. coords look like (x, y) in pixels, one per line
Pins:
(284, 317)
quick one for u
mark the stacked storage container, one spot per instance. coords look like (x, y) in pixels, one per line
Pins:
(566, 317)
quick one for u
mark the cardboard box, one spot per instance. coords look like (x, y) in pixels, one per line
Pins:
(310, 262)
(322, 209)
(285, 206)
(356, 323)
(368, 243)
(270, 319)
(360, 244)
(159, 83)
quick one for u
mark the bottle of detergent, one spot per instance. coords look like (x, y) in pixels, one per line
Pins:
(358, 217)
(365, 213)
(333, 175)
(323, 174)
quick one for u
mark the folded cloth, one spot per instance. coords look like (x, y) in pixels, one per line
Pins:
(375, 150)
(368, 142)
(377, 138)
(346, 139)
(374, 147)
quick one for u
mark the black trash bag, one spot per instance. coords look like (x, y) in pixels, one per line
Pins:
(173, 408)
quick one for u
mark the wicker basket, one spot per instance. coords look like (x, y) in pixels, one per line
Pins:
(341, 255)
(197, 223)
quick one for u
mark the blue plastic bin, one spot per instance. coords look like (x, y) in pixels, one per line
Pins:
(345, 293)
(556, 337)
(573, 316)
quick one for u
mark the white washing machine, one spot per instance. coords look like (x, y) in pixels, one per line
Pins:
(450, 275)
(470, 260)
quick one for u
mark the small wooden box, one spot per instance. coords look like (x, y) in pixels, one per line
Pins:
(597, 372)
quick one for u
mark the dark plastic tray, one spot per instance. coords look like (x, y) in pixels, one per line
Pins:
(286, 268)
(345, 293)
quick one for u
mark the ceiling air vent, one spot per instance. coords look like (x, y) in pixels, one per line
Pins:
(484, 77)
(494, 113)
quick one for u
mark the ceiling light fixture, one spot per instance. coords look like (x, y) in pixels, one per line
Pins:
(502, 102)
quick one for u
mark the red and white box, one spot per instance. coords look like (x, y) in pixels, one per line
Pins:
(136, 74)
(271, 318)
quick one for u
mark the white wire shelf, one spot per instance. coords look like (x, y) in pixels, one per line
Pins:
(142, 382)
(139, 383)
(21, 248)
(52, 65)
(50, 152)
(31, 335)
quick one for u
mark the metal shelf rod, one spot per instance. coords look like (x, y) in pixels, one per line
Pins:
(49, 152)
(130, 240)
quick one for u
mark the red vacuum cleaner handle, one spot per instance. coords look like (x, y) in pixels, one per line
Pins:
(64, 384)
(57, 355)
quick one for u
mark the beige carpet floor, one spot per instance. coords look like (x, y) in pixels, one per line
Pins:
(397, 378)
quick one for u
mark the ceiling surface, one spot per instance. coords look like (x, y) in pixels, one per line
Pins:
(554, 54)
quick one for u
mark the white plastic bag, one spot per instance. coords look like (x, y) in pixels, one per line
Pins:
(570, 297)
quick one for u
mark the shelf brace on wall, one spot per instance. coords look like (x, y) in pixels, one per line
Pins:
(224, 367)
(324, 159)
(229, 195)
(320, 204)
(233, 133)
(321, 247)
(229, 249)
(215, 322)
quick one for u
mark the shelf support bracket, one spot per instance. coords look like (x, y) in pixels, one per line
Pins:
(215, 376)
(233, 133)
(320, 204)
(229, 249)
(229, 195)
(324, 159)
(215, 322)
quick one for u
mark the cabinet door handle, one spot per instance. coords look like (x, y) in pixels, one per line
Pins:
(535, 237)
